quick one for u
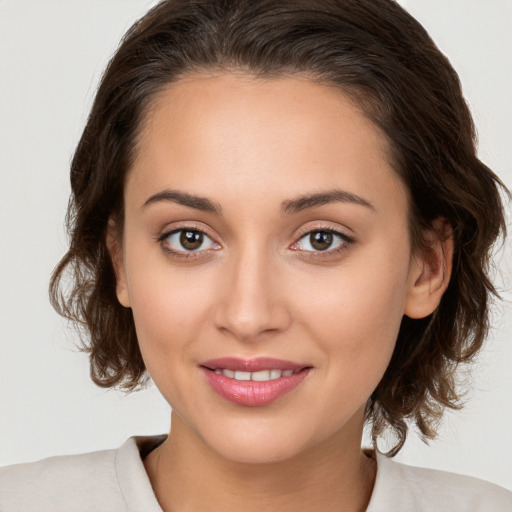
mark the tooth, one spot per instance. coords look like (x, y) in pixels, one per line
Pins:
(261, 376)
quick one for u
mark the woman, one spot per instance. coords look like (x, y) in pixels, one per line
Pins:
(277, 212)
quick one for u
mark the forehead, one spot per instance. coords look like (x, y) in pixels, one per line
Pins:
(235, 136)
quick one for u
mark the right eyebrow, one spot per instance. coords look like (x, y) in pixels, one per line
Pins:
(192, 201)
(318, 199)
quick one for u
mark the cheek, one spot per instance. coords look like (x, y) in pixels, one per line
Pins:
(169, 315)
(355, 315)
(169, 306)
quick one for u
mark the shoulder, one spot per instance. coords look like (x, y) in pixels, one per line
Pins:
(71, 481)
(405, 488)
(102, 480)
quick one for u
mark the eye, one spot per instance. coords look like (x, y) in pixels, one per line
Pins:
(187, 240)
(322, 240)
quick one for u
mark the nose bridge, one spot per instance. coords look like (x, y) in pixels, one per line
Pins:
(250, 303)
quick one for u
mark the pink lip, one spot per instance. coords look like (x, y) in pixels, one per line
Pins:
(251, 365)
(252, 393)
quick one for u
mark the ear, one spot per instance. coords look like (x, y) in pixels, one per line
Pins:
(430, 271)
(115, 249)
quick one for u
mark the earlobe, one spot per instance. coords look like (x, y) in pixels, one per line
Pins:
(430, 271)
(115, 249)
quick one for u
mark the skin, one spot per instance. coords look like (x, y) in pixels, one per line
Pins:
(258, 288)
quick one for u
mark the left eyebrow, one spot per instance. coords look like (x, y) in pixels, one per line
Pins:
(192, 201)
(302, 203)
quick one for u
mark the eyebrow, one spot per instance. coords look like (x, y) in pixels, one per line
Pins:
(314, 200)
(192, 201)
(288, 207)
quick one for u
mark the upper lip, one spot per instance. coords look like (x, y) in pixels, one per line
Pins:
(252, 365)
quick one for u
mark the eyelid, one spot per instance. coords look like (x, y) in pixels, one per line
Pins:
(347, 240)
(324, 227)
(174, 227)
(188, 226)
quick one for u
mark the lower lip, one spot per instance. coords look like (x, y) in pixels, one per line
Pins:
(253, 393)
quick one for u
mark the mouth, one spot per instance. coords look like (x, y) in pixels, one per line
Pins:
(253, 382)
(260, 376)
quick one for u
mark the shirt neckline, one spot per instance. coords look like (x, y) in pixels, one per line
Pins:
(138, 493)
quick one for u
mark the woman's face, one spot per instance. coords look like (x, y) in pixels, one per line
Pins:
(265, 235)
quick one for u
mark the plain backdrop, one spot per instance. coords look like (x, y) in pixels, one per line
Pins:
(52, 53)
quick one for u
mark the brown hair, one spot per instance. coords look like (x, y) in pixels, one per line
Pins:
(375, 52)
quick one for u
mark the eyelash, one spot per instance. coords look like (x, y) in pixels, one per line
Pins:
(346, 241)
(187, 255)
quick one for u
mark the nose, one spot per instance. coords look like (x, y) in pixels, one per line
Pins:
(251, 300)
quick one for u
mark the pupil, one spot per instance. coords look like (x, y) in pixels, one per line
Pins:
(191, 239)
(321, 240)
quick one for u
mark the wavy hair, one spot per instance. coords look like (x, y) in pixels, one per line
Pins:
(380, 56)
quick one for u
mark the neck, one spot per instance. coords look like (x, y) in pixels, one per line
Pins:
(187, 476)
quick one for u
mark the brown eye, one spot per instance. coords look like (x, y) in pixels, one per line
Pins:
(191, 240)
(320, 240)
(323, 240)
(187, 241)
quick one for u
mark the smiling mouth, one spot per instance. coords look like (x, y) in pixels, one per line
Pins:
(253, 382)
(259, 376)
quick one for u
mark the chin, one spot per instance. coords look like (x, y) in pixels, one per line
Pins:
(253, 444)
